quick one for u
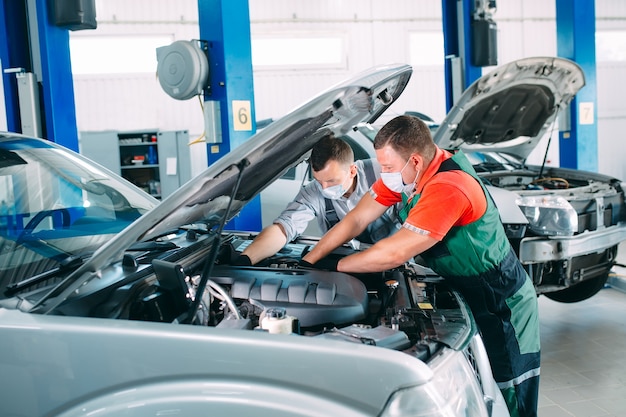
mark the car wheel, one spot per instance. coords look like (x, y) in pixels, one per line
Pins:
(579, 292)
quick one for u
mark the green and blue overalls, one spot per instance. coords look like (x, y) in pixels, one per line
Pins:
(478, 261)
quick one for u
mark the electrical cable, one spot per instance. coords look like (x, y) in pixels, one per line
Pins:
(202, 137)
(546, 179)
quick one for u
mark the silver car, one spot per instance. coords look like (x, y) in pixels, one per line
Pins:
(115, 305)
(573, 220)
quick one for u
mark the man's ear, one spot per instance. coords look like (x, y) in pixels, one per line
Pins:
(418, 160)
(353, 170)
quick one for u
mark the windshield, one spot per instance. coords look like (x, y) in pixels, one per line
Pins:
(55, 204)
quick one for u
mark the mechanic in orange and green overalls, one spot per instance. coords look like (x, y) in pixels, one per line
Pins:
(451, 221)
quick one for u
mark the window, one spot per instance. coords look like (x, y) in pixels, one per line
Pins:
(288, 50)
(611, 45)
(426, 49)
(116, 54)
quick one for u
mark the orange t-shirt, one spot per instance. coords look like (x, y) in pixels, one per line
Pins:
(451, 198)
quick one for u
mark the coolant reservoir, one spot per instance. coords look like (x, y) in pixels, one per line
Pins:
(276, 320)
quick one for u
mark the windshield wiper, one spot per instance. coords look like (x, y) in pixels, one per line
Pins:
(67, 264)
(190, 229)
(152, 246)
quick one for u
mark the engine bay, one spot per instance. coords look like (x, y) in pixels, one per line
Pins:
(169, 280)
(555, 181)
(408, 308)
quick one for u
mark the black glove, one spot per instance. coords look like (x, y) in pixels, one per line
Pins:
(304, 264)
(328, 263)
(306, 250)
(242, 260)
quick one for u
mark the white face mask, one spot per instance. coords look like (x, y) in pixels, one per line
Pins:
(334, 192)
(394, 181)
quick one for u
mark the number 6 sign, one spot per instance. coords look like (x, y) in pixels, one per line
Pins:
(242, 115)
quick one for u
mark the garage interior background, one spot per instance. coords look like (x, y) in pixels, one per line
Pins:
(116, 88)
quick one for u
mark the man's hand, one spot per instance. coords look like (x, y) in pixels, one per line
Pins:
(241, 260)
(267, 243)
(328, 263)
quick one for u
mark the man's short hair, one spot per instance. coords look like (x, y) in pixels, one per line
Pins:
(330, 148)
(406, 135)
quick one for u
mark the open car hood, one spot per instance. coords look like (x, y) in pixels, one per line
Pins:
(511, 108)
(263, 158)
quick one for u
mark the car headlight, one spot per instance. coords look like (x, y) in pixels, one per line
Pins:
(453, 391)
(549, 215)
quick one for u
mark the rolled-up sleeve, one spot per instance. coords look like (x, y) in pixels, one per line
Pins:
(305, 207)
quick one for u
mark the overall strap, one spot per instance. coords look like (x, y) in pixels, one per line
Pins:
(370, 174)
(330, 214)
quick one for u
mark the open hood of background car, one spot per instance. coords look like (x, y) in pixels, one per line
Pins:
(511, 108)
(263, 158)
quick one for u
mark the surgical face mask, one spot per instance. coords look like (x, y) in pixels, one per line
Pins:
(334, 192)
(394, 181)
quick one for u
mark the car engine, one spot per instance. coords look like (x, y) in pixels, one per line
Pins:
(408, 308)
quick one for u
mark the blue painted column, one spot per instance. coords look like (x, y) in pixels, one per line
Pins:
(14, 53)
(225, 25)
(30, 41)
(51, 61)
(576, 28)
(457, 15)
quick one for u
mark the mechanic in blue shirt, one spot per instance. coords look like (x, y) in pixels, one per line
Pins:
(339, 184)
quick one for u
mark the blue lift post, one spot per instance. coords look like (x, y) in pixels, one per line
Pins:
(52, 54)
(30, 41)
(13, 54)
(576, 28)
(459, 71)
(225, 25)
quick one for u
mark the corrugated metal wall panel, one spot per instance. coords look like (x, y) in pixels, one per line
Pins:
(524, 38)
(319, 10)
(611, 93)
(404, 10)
(132, 102)
(611, 154)
(537, 9)
(610, 9)
(146, 11)
(278, 93)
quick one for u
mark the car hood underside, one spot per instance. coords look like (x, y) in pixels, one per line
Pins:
(511, 108)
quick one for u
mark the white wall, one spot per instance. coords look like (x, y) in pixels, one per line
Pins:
(131, 101)
(375, 32)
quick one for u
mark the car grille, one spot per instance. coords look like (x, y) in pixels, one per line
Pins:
(607, 209)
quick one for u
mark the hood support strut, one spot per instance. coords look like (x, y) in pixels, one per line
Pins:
(210, 262)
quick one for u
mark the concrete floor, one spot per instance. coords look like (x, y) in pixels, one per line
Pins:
(583, 369)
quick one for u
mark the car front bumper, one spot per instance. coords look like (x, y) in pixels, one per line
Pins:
(543, 249)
